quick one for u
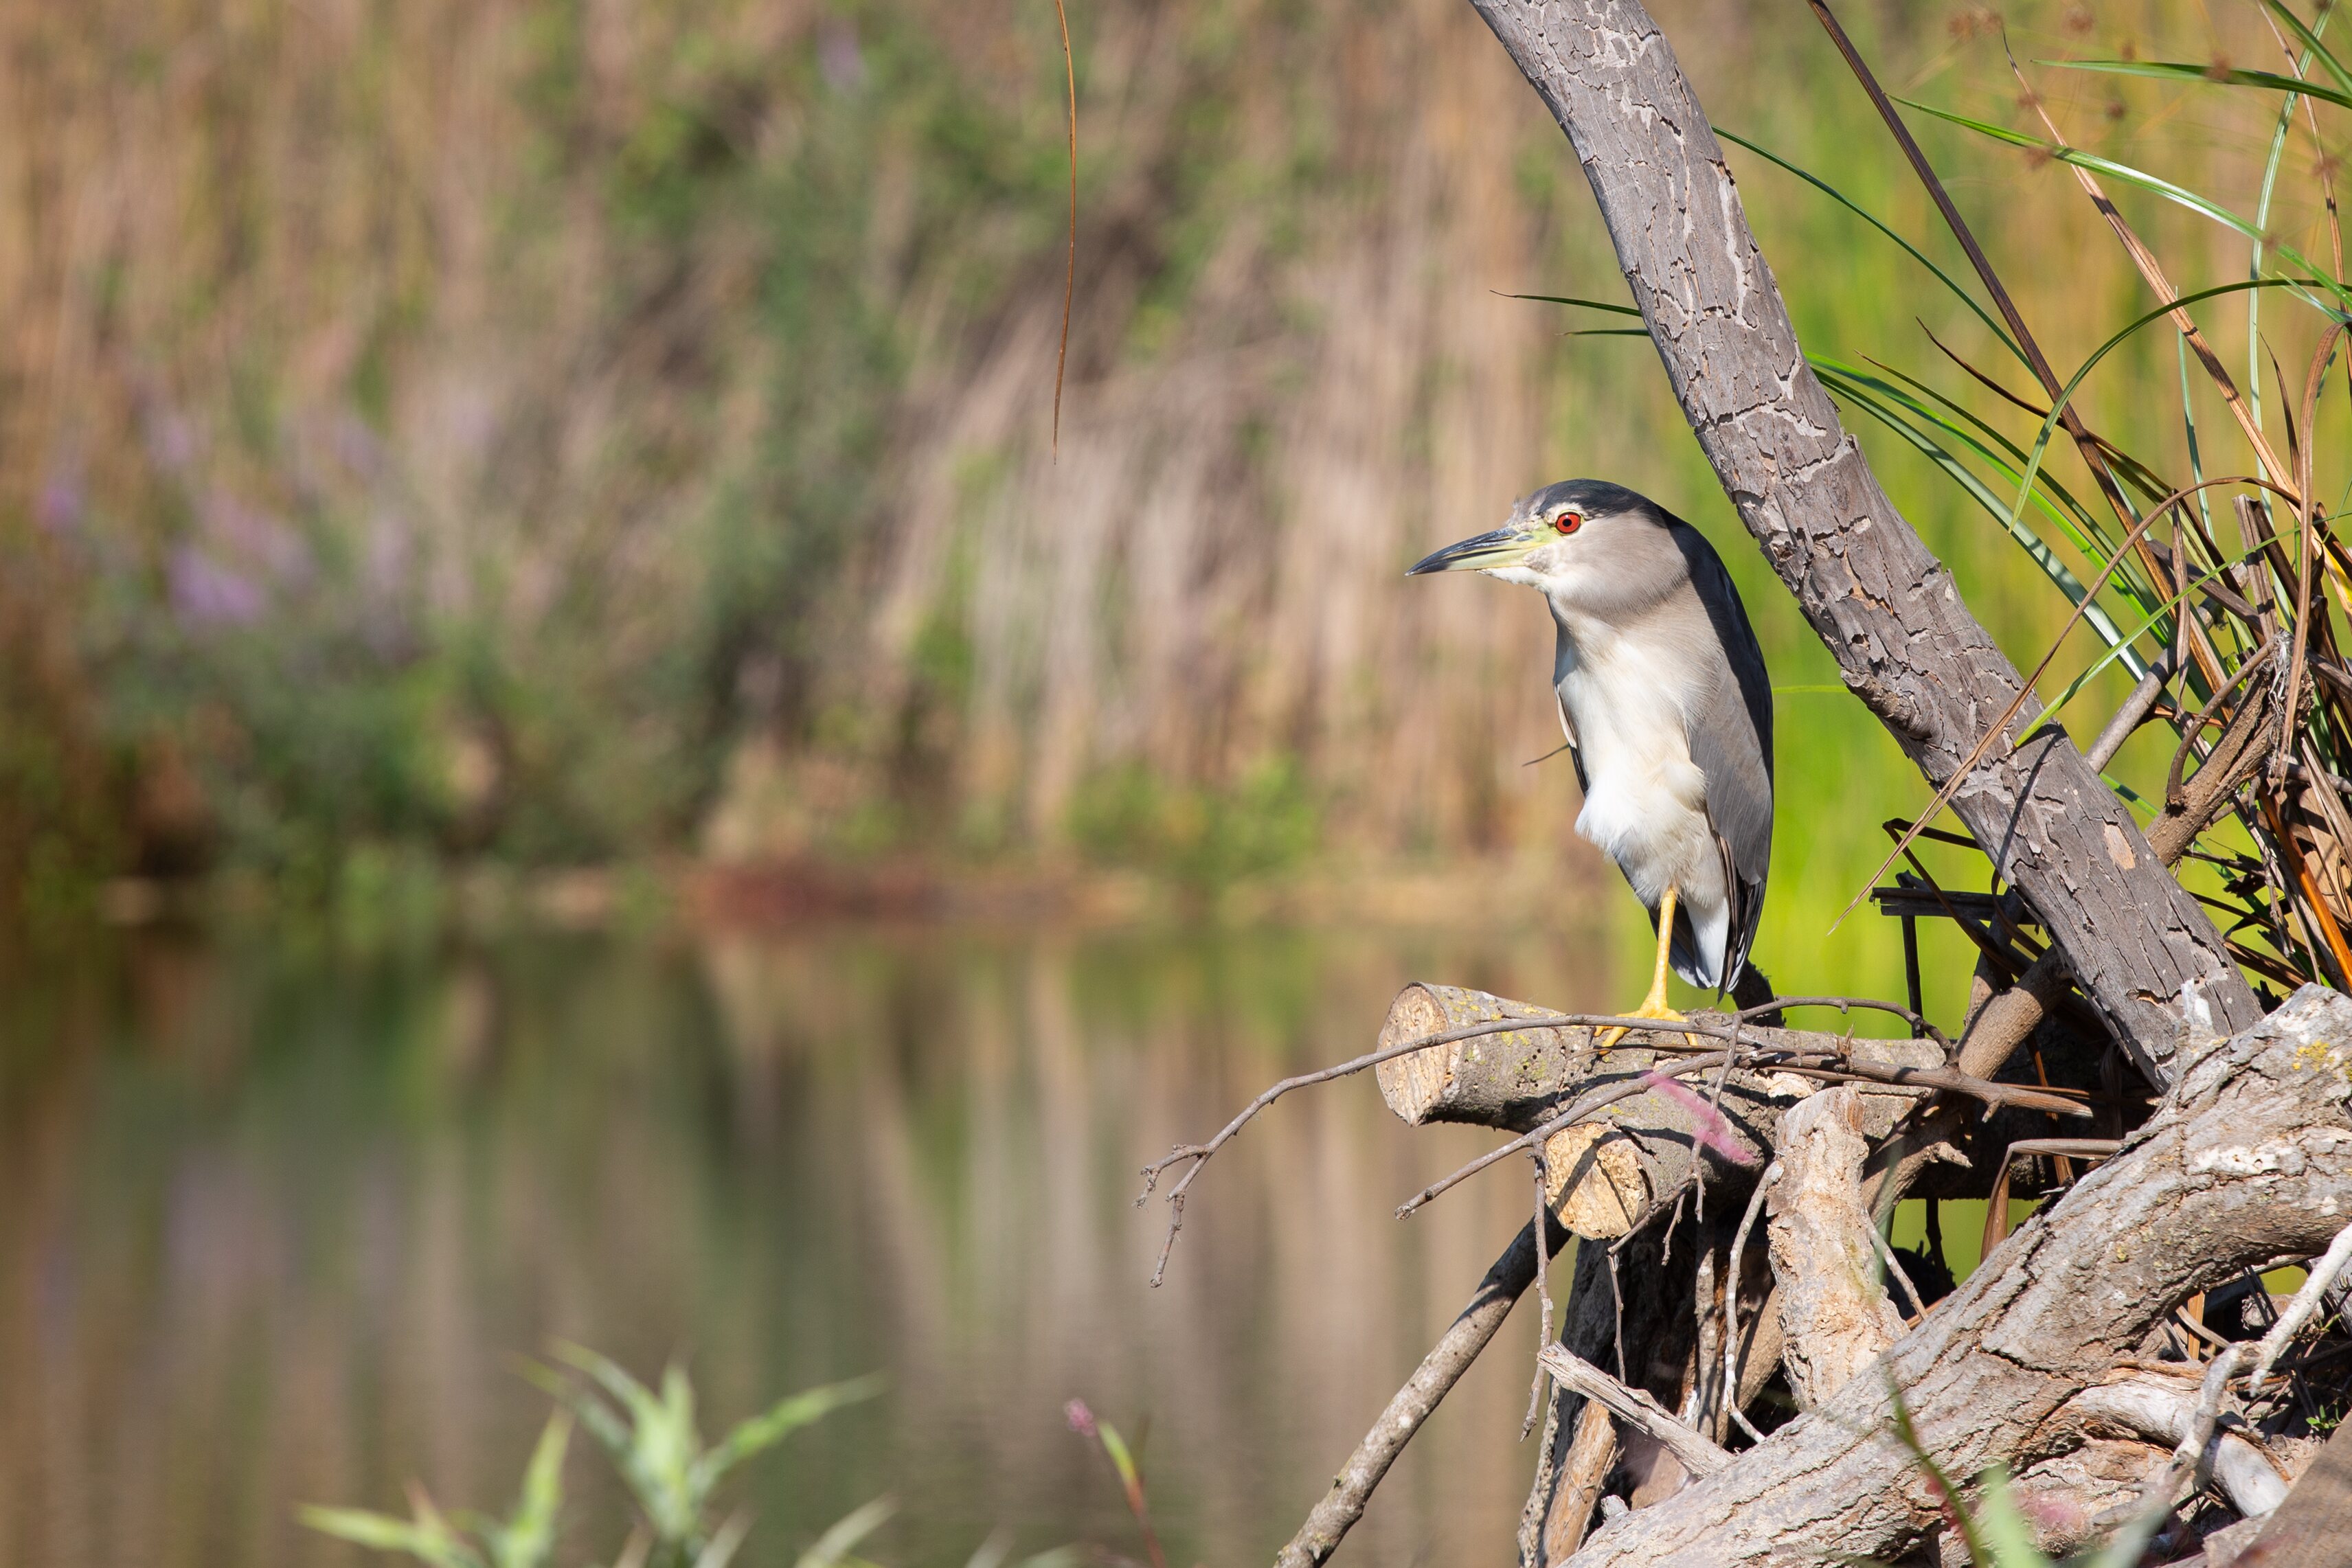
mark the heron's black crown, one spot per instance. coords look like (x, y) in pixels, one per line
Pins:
(1594, 498)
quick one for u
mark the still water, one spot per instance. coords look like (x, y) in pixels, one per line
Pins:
(276, 1224)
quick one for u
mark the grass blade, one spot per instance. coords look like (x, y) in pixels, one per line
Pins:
(2173, 70)
(529, 1535)
(427, 1538)
(780, 1421)
(1842, 199)
(2007, 1537)
(2309, 38)
(853, 1526)
(2050, 424)
(1572, 299)
(2203, 206)
(2096, 164)
(1862, 393)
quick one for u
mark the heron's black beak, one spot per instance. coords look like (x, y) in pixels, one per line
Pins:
(1504, 546)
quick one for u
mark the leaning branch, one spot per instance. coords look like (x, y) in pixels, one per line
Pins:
(1439, 1371)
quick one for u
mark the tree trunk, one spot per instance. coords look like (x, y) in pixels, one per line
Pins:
(1887, 609)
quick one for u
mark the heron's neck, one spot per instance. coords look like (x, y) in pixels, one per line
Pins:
(1581, 634)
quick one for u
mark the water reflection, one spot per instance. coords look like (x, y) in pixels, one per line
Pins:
(273, 1226)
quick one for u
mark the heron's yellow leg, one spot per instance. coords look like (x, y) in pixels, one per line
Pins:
(1654, 1006)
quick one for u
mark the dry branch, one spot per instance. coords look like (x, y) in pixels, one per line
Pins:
(2248, 1159)
(1608, 1170)
(1440, 1370)
(1700, 1455)
(1886, 609)
(2164, 1410)
(2315, 1290)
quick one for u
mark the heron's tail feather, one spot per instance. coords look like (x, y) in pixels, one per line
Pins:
(1753, 990)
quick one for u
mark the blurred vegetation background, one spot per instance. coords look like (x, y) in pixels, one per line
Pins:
(555, 432)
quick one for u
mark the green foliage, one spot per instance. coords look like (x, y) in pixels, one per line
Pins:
(1130, 814)
(525, 1538)
(1085, 1423)
(652, 1440)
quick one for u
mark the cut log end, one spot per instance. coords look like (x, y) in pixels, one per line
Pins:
(1414, 1085)
(1458, 1082)
(1594, 1181)
(1594, 1175)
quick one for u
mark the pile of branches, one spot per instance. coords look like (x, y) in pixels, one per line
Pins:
(1744, 1368)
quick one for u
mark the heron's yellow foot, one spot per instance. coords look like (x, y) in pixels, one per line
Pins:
(1654, 1006)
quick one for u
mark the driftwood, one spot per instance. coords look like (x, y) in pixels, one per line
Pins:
(1836, 1318)
(1886, 609)
(1607, 1172)
(1700, 1454)
(2035, 1363)
(2249, 1159)
(2160, 1410)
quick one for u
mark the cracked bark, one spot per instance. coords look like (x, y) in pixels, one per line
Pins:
(1885, 607)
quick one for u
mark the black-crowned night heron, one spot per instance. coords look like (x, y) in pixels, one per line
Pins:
(1668, 712)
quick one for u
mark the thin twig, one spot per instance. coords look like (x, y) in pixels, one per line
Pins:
(2299, 1312)
(1886, 1254)
(2134, 711)
(1617, 1305)
(1199, 1153)
(1566, 1119)
(1699, 1454)
(1720, 1026)
(1832, 1067)
(1731, 1300)
(1847, 1070)
(2189, 1459)
(1543, 1292)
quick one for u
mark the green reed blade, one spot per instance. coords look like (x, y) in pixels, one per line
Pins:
(2203, 206)
(2035, 548)
(2174, 70)
(1573, 300)
(1866, 215)
(2309, 37)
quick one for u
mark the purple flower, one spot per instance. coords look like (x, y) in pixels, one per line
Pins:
(205, 593)
(1081, 1420)
(61, 501)
(255, 538)
(838, 57)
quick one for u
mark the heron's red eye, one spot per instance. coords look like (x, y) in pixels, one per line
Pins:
(1567, 522)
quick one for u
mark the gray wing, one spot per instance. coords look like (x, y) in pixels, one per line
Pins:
(1730, 740)
(1567, 725)
(1575, 752)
